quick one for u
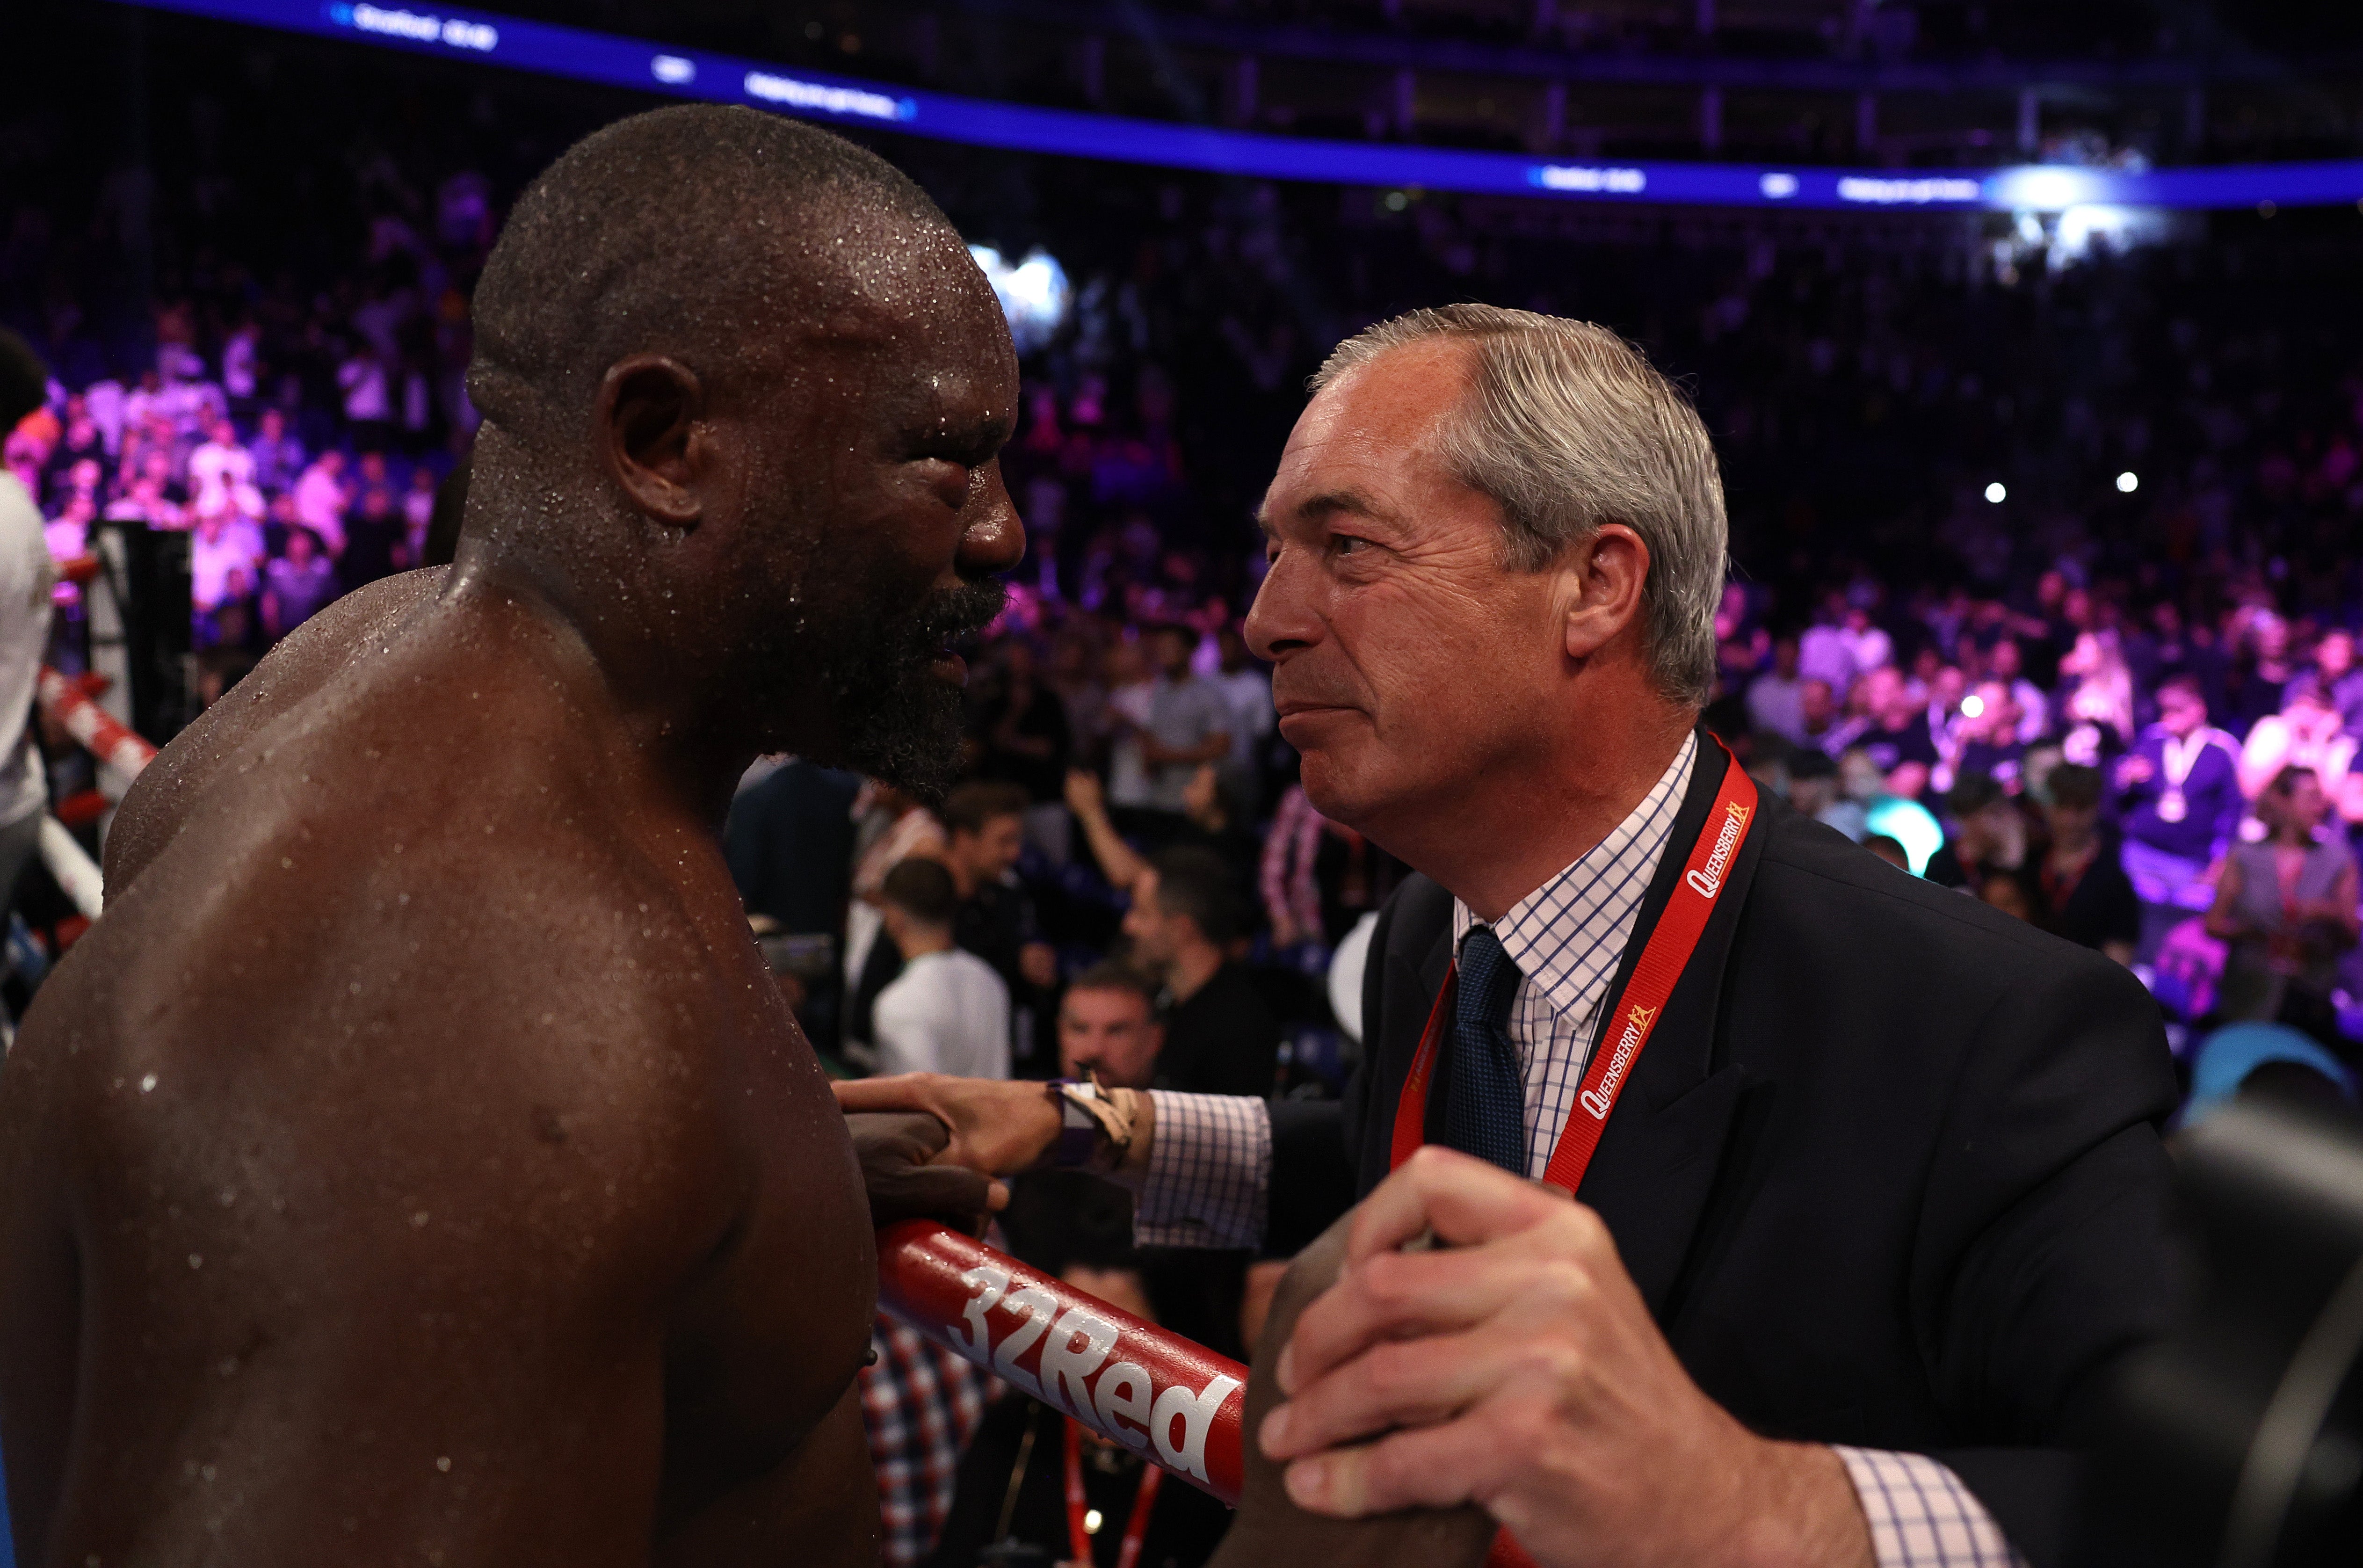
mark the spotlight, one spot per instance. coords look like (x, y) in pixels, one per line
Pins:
(1033, 294)
(2129, 482)
(1996, 494)
(1972, 706)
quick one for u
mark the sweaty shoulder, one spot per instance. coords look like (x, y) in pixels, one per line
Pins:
(413, 821)
(409, 1119)
(304, 663)
(521, 953)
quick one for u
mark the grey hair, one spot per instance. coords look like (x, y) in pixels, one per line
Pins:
(1568, 426)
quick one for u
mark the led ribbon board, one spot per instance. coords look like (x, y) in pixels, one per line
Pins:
(691, 73)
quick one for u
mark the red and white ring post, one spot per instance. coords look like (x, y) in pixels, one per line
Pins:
(99, 732)
(121, 754)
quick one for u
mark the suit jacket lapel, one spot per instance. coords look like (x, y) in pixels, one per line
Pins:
(1418, 956)
(1655, 1168)
(1656, 1165)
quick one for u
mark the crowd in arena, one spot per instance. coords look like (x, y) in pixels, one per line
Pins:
(2099, 745)
(2126, 710)
(1130, 883)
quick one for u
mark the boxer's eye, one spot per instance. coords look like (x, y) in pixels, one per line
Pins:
(970, 448)
(950, 477)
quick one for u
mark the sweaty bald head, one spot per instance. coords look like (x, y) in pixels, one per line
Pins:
(744, 391)
(696, 232)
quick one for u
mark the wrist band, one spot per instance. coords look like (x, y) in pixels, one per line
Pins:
(1094, 1131)
(1079, 1132)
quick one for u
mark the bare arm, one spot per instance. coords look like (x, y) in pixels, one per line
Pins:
(417, 1234)
(823, 1498)
(1119, 862)
(2350, 796)
(2337, 769)
(2261, 758)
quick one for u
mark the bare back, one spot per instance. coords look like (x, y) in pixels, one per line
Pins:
(418, 1163)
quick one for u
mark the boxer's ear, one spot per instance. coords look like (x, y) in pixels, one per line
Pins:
(648, 424)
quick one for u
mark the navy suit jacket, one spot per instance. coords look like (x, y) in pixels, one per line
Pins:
(1888, 1172)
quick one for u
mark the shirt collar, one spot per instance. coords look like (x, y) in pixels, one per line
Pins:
(1551, 931)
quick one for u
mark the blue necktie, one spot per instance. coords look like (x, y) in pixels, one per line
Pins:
(1485, 1103)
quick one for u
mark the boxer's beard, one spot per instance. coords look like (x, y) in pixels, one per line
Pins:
(898, 721)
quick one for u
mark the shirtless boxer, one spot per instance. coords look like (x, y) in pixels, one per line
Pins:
(419, 1164)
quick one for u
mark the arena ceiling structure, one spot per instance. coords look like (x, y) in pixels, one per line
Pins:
(1941, 105)
(1938, 82)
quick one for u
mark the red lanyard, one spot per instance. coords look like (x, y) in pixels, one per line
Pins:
(1136, 1528)
(2058, 886)
(1630, 1023)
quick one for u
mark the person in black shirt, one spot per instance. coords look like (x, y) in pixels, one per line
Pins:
(1989, 742)
(1220, 1037)
(373, 543)
(1108, 1028)
(2262, 685)
(1897, 740)
(2081, 891)
(985, 827)
(789, 840)
(1021, 727)
(984, 835)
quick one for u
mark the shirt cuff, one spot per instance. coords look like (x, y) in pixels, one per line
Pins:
(1209, 1173)
(1919, 1513)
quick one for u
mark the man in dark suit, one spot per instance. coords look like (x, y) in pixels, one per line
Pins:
(1886, 1174)
(789, 842)
(1877, 1198)
(1220, 1039)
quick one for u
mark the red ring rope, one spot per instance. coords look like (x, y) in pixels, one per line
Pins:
(1174, 1403)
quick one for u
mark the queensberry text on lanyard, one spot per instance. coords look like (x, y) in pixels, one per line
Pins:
(1627, 1026)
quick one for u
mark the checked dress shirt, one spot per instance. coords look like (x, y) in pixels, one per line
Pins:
(920, 1406)
(1210, 1163)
